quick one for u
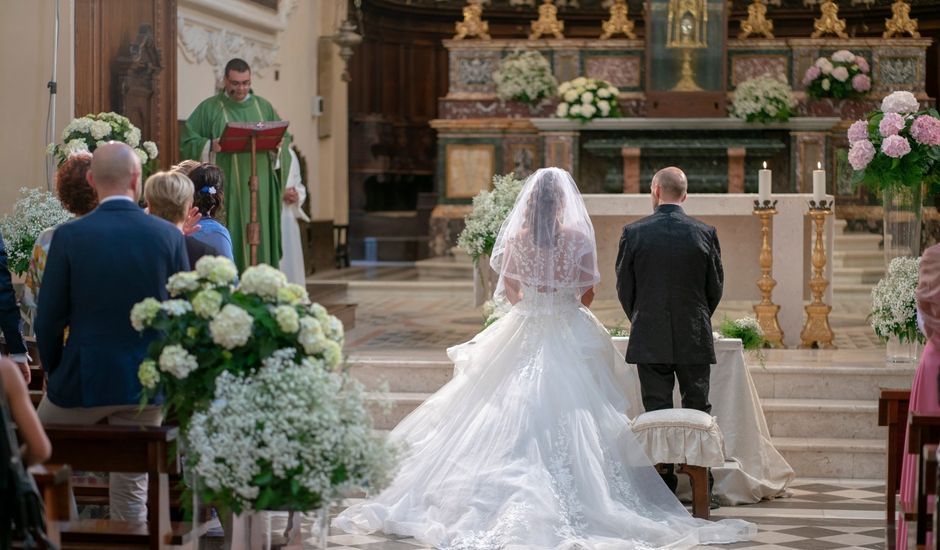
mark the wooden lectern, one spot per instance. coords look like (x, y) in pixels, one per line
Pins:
(252, 137)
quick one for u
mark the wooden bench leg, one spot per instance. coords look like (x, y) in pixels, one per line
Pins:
(698, 475)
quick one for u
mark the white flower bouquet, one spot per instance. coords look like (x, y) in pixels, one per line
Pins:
(287, 437)
(894, 302)
(747, 329)
(524, 76)
(490, 209)
(587, 98)
(898, 145)
(210, 327)
(33, 213)
(841, 75)
(86, 133)
(763, 99)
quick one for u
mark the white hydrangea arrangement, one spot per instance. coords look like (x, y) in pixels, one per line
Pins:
(894, 302)
(33, 213)
(290, 436)
(490, 209)
(524, 76)
(585, 99)
(87, 133)
(210, 327)
(764, 98)
(841, 75)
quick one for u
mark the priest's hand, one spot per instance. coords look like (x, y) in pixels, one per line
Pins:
(191, 224)
(216, 148)
(290, 195)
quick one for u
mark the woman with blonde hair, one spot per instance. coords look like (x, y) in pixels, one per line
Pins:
(169, 195)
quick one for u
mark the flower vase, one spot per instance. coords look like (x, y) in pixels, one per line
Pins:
(902, 353)
(268, 530)
(903, 207)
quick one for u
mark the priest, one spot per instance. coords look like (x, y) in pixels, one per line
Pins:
(200, 141)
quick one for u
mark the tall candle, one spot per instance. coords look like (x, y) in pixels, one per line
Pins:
(763, 184)
(819, 184)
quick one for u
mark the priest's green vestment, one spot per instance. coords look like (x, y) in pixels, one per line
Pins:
(207, 122)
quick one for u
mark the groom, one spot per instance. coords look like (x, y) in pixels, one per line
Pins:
(669, 281)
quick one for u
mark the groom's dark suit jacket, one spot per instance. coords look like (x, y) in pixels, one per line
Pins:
(99, 266)
(669, 281)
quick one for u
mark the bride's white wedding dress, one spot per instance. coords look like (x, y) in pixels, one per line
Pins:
(528, 447)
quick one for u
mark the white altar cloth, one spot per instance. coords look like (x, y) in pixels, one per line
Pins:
(754, 469)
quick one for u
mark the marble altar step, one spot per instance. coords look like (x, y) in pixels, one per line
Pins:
(832, 418)
(868, 276)
(837, 381)
(834, 458)
(856, 241)
(852, 291)
(445, 267)
(858, 258)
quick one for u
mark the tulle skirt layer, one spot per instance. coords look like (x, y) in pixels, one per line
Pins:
(527, 447)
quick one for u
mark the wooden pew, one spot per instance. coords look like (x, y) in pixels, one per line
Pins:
(893, 413)
(54, 484)
(926, 487)
(123, 449)
(923, 430)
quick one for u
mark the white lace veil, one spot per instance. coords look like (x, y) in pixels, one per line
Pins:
(547, 241)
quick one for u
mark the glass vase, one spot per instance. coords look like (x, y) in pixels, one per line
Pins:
(901, 353)
(269, 530)
(903, 213)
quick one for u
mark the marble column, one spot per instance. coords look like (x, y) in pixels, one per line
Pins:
(736, 169)
(561, 150)
(631, 169)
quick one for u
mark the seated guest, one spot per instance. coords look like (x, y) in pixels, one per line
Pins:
(98, 267)
(185, 166)
(208, 198)
(169, 196)
(36, 447)
(76, 196)
(10, 317)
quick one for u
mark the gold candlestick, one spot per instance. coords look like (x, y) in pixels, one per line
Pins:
(766, 311)
(816, 330)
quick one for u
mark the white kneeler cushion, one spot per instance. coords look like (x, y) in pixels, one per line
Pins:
(680, 436)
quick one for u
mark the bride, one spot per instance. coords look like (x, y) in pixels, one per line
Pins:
(527, 447)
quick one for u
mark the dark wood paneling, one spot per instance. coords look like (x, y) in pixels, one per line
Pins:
(104, 31)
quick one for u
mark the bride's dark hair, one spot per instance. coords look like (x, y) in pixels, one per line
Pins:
(542, 207)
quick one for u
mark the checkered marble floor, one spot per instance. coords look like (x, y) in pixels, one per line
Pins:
(820, 514)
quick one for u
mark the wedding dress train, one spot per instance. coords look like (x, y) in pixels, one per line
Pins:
(528, 448)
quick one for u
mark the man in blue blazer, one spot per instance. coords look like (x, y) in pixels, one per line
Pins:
(98, 267)
(10, 316)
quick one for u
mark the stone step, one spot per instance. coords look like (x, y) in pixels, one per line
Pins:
(856, 241)
(857, 275)
(852, 291)
(834, 458)
(858, 258)
(849, 419)
(406, 375)
(445, 267)
(830, 382)
(389, 409)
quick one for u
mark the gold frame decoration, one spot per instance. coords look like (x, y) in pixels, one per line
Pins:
(473, 23)
(900, 22)
(829, 22)
(547, 22)
(618, 22)
(757, 23)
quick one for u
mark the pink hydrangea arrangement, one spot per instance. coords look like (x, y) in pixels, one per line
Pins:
(841, 75)
(897, 145)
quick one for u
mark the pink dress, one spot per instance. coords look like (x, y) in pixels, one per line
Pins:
(924, 399)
